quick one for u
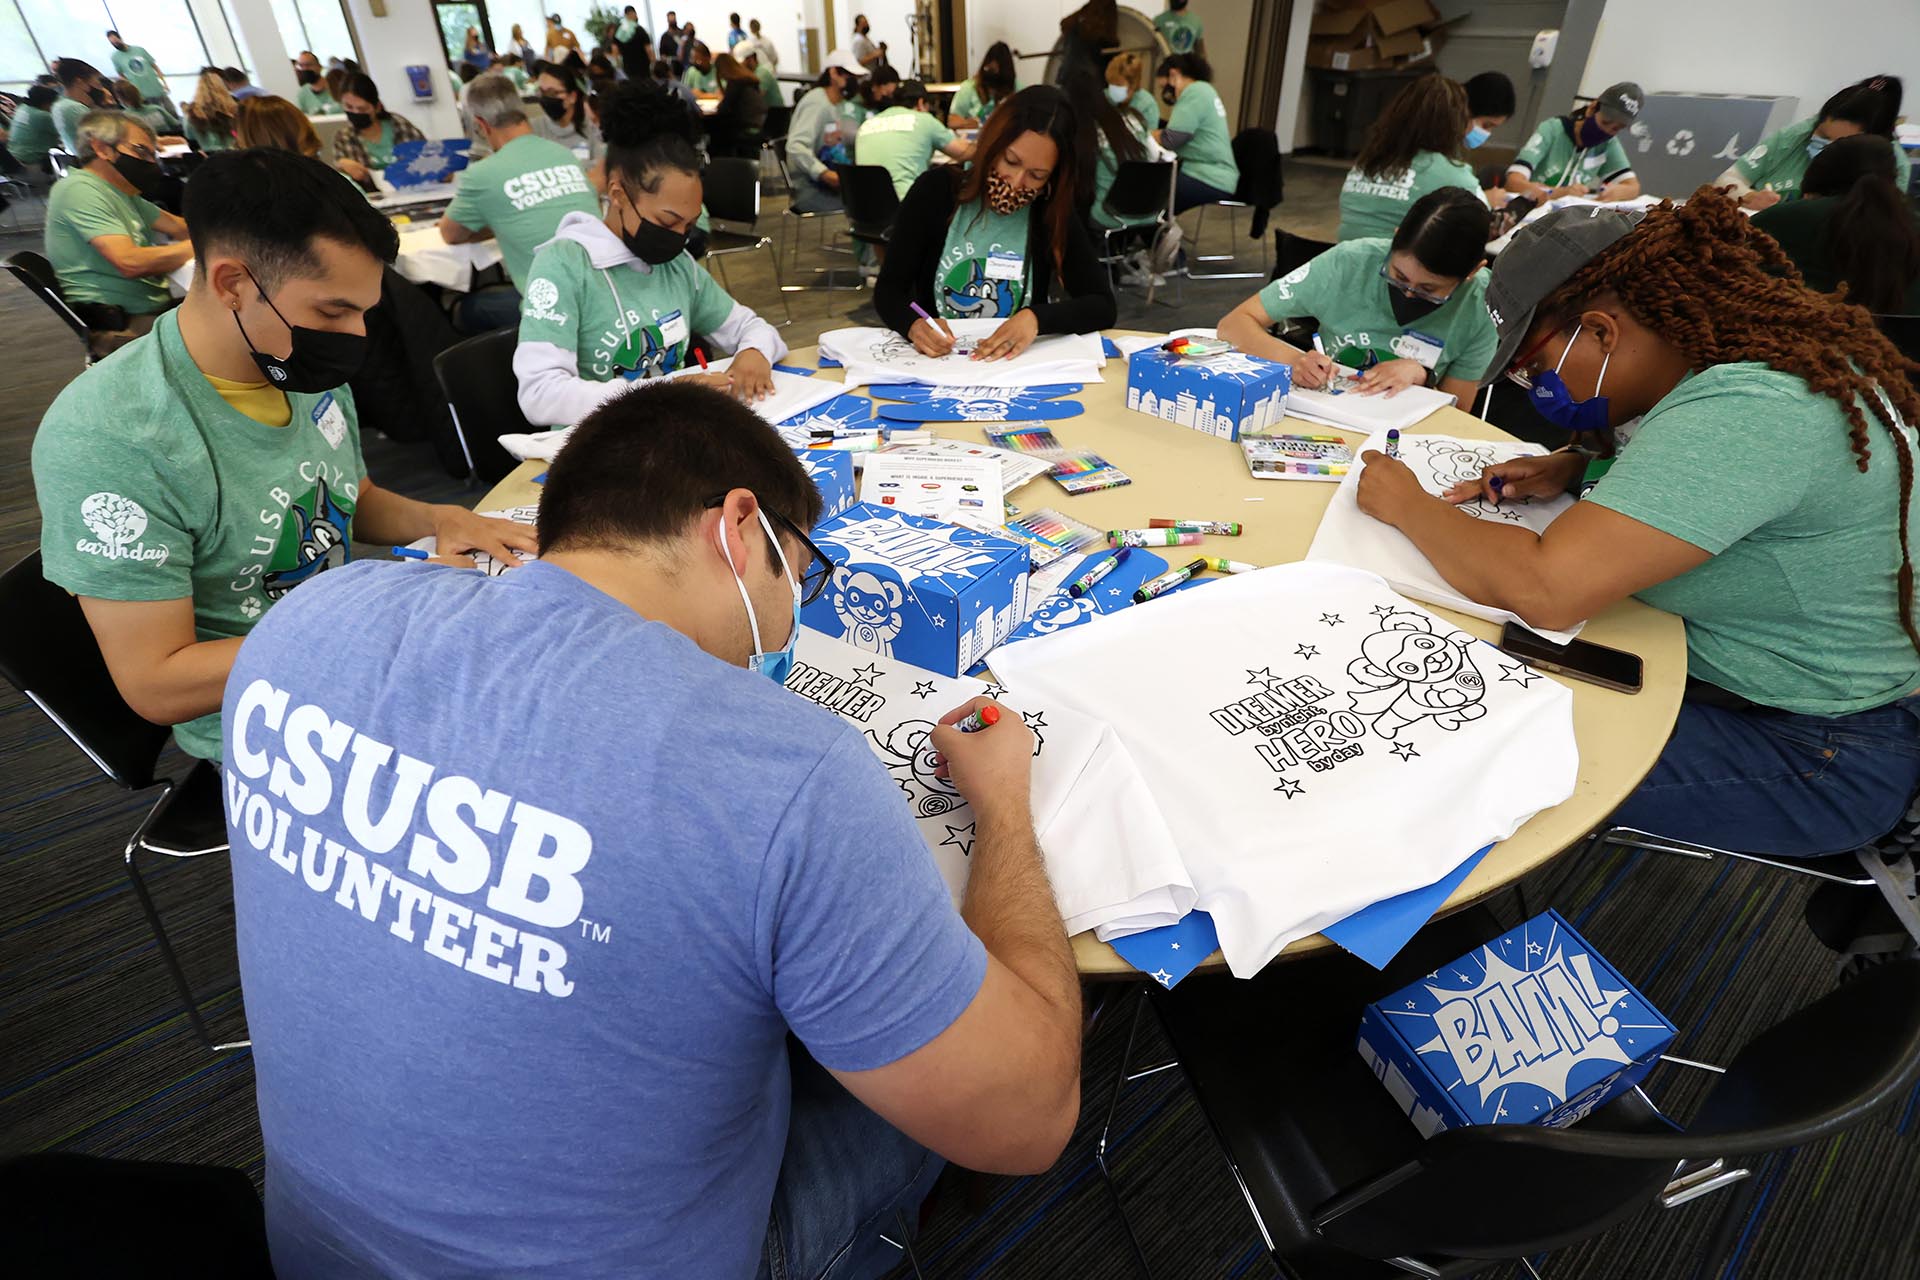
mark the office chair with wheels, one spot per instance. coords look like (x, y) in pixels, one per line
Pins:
(48, 652)
(484, 397)
(1141, 189)
(36, 273)
(733, 195)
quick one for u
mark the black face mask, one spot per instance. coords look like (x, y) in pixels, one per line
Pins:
(1407, 308)
(653, 244)
(144, 174)
(554, 107)
(360, 120)
(308, 77)
(318, 361)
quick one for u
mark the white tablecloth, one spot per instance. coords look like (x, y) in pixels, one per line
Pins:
(424, 259)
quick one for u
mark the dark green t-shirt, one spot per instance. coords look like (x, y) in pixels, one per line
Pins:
(1804, 228)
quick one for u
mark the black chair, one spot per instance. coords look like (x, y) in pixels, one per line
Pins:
(166, 1219)
(1334, 1172)
(866, 190)
(797, 219)
(48, 652)
(1256, 153)
(774, 127)
(1291, 252)
(733, 195)
(484, 398)
(1141, 189)
(1903, 332)
(36, 273)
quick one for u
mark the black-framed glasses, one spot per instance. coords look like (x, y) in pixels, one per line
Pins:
(1413, 290)
(819, 568)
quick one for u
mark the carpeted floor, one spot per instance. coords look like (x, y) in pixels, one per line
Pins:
(95, 1055)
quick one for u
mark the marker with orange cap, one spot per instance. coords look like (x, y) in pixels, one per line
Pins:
(982, 717)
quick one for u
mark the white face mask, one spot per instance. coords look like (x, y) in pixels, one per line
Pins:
(1117, 93)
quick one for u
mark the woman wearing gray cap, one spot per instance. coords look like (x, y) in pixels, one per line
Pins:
(1579, 154)
(1751, 470)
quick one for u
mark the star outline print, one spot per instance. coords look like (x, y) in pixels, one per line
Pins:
(1519, 673)
(1289, 788)
(923, 689)
(1331, 619)
(1306, 651)
(960, 838)
(866, 675)
(1405, 750)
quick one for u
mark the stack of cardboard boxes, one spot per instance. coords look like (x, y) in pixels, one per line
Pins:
(1365, 35)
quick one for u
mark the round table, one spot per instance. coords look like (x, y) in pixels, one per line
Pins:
(1181, 473)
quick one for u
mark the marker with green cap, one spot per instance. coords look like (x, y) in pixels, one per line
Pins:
(1169, 580)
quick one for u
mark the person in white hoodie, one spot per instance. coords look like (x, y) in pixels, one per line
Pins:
(612, 300)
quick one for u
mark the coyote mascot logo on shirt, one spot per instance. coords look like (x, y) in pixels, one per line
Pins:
(314, 537)
(972, 296)
(1416, 675)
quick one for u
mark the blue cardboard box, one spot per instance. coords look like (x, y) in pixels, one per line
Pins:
(831, 471)
(1532, 1028)
(933, 594)
(1223, 395)
(426, 160)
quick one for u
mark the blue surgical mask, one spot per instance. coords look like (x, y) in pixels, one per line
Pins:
(774, 666)
(1117, 93)
(1477, 137)
(1816, 144)
(1551, 399)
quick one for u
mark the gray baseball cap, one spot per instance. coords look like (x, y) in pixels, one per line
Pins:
(1541, 257)
(1621, 102)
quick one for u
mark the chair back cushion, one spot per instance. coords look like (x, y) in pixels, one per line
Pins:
(477, 377)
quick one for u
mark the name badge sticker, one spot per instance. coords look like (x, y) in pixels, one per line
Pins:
(1413, 345)
(1005, 266)
(328, 416)
(673, 329)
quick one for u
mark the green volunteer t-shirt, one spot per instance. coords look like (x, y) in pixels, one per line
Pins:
(1779, 161)
(522, 191)
(151, 487)
(1553, 159)
(1342, 289)
(699, 81)
(1148, 106)
(1374, 206)
(31, 134)
(625, 321)
(1798, 607)
(316, 101)
(1182, 30)
(209, 139)
(82, 207)
(135, 64)
(983, 272)
(969, 104)
(1208, 155)
(901, 141)
(1106, 167)
(769, 84)
(66, 119)
(380, 149)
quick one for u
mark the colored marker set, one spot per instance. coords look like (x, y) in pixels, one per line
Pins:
(1075, 470)
(1294, 457)
(1174, 577)
(1050, 535)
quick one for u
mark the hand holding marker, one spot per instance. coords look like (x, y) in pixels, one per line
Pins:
(1393, 442)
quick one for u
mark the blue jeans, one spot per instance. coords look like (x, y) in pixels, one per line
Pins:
(1796, 786)
(812, 197)
(495, 306)
(846, 1176)
(1189, 191)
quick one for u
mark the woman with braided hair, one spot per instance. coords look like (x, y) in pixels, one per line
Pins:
(1751, 469)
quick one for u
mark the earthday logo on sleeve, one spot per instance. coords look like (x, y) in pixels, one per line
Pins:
(116, 524)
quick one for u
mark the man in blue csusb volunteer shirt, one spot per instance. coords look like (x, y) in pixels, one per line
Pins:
(536, 875)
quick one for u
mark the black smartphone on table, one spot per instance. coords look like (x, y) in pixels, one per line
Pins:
(1579, 659)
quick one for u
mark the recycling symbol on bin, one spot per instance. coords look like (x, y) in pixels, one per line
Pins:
(1681, 143)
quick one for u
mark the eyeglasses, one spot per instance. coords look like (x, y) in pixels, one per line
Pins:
(819, 570)
(139, 152)
(1520, 372)
(1414, 290)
